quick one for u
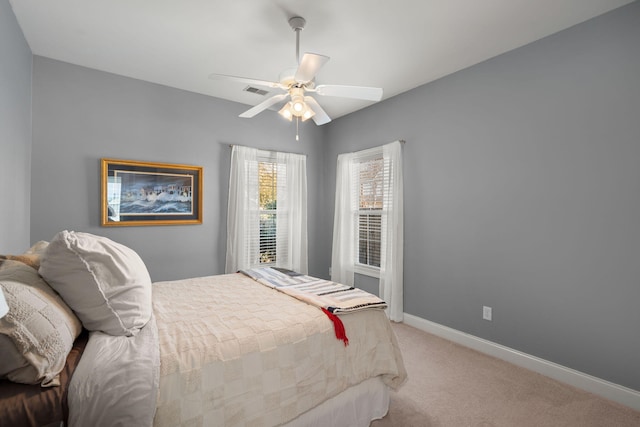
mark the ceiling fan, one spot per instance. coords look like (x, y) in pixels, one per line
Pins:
(297, 83)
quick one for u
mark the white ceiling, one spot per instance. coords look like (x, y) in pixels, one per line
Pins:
(393, 44)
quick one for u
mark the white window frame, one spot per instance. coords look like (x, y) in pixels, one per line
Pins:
(358, 267)
(366, 270)
(275, 165)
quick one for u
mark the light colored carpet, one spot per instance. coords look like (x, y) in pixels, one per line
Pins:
(453, 386)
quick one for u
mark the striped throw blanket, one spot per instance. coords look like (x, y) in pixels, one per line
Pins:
(333, 298)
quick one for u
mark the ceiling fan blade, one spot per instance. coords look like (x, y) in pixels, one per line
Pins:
(357, 92)
(263, 105)
(309, 67)
(320, 117)
(246, 80)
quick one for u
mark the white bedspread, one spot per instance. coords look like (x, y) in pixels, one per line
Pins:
(227, 351)
(242, 354)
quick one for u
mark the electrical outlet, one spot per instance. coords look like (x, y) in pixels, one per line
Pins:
(487, 313)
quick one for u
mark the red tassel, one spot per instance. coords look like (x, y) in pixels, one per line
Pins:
(338, 326)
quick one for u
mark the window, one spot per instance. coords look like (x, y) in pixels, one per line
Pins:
(369, 177)
(268, 173)
(267, 213)
(368, 227)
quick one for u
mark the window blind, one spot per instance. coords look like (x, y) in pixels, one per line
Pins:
(271, 178)
(368, 181)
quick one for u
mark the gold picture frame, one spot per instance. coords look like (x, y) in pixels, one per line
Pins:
(144, 193)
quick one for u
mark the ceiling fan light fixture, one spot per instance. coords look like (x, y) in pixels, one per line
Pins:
(308, 113)
(298, 105)
(287, 111)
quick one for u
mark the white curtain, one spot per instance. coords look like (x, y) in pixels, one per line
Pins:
(291, 229)
(243, 210)
(344, 249)
(344, 223)
(243, 215)
(391, 259)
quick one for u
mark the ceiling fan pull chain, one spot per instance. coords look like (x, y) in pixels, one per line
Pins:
(297, 121)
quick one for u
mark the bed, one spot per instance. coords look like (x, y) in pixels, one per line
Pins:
(222, 350)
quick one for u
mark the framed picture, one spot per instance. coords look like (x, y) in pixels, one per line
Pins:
(142, 193)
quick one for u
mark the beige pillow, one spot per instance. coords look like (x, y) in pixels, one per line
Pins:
(11, 359)
(38, 332)
(105, 283)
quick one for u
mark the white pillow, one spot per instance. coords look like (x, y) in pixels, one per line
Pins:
(104, 282)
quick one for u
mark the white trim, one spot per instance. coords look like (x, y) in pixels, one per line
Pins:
(600, 387)
(366, 270)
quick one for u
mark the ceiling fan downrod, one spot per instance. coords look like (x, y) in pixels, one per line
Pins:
(297, 24)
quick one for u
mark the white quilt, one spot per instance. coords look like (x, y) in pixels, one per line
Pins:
(236, 353)
(242, 354)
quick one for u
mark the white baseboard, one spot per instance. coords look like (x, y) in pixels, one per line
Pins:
(600, 387)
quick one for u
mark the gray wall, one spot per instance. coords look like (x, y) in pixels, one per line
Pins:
(82, 115)
(15, 133)
(522, 192)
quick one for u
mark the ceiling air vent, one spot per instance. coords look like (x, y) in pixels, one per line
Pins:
(256, 90)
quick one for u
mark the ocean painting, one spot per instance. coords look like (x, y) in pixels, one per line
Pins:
(142, 193)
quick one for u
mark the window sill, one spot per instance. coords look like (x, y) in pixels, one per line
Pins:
(367, 270)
